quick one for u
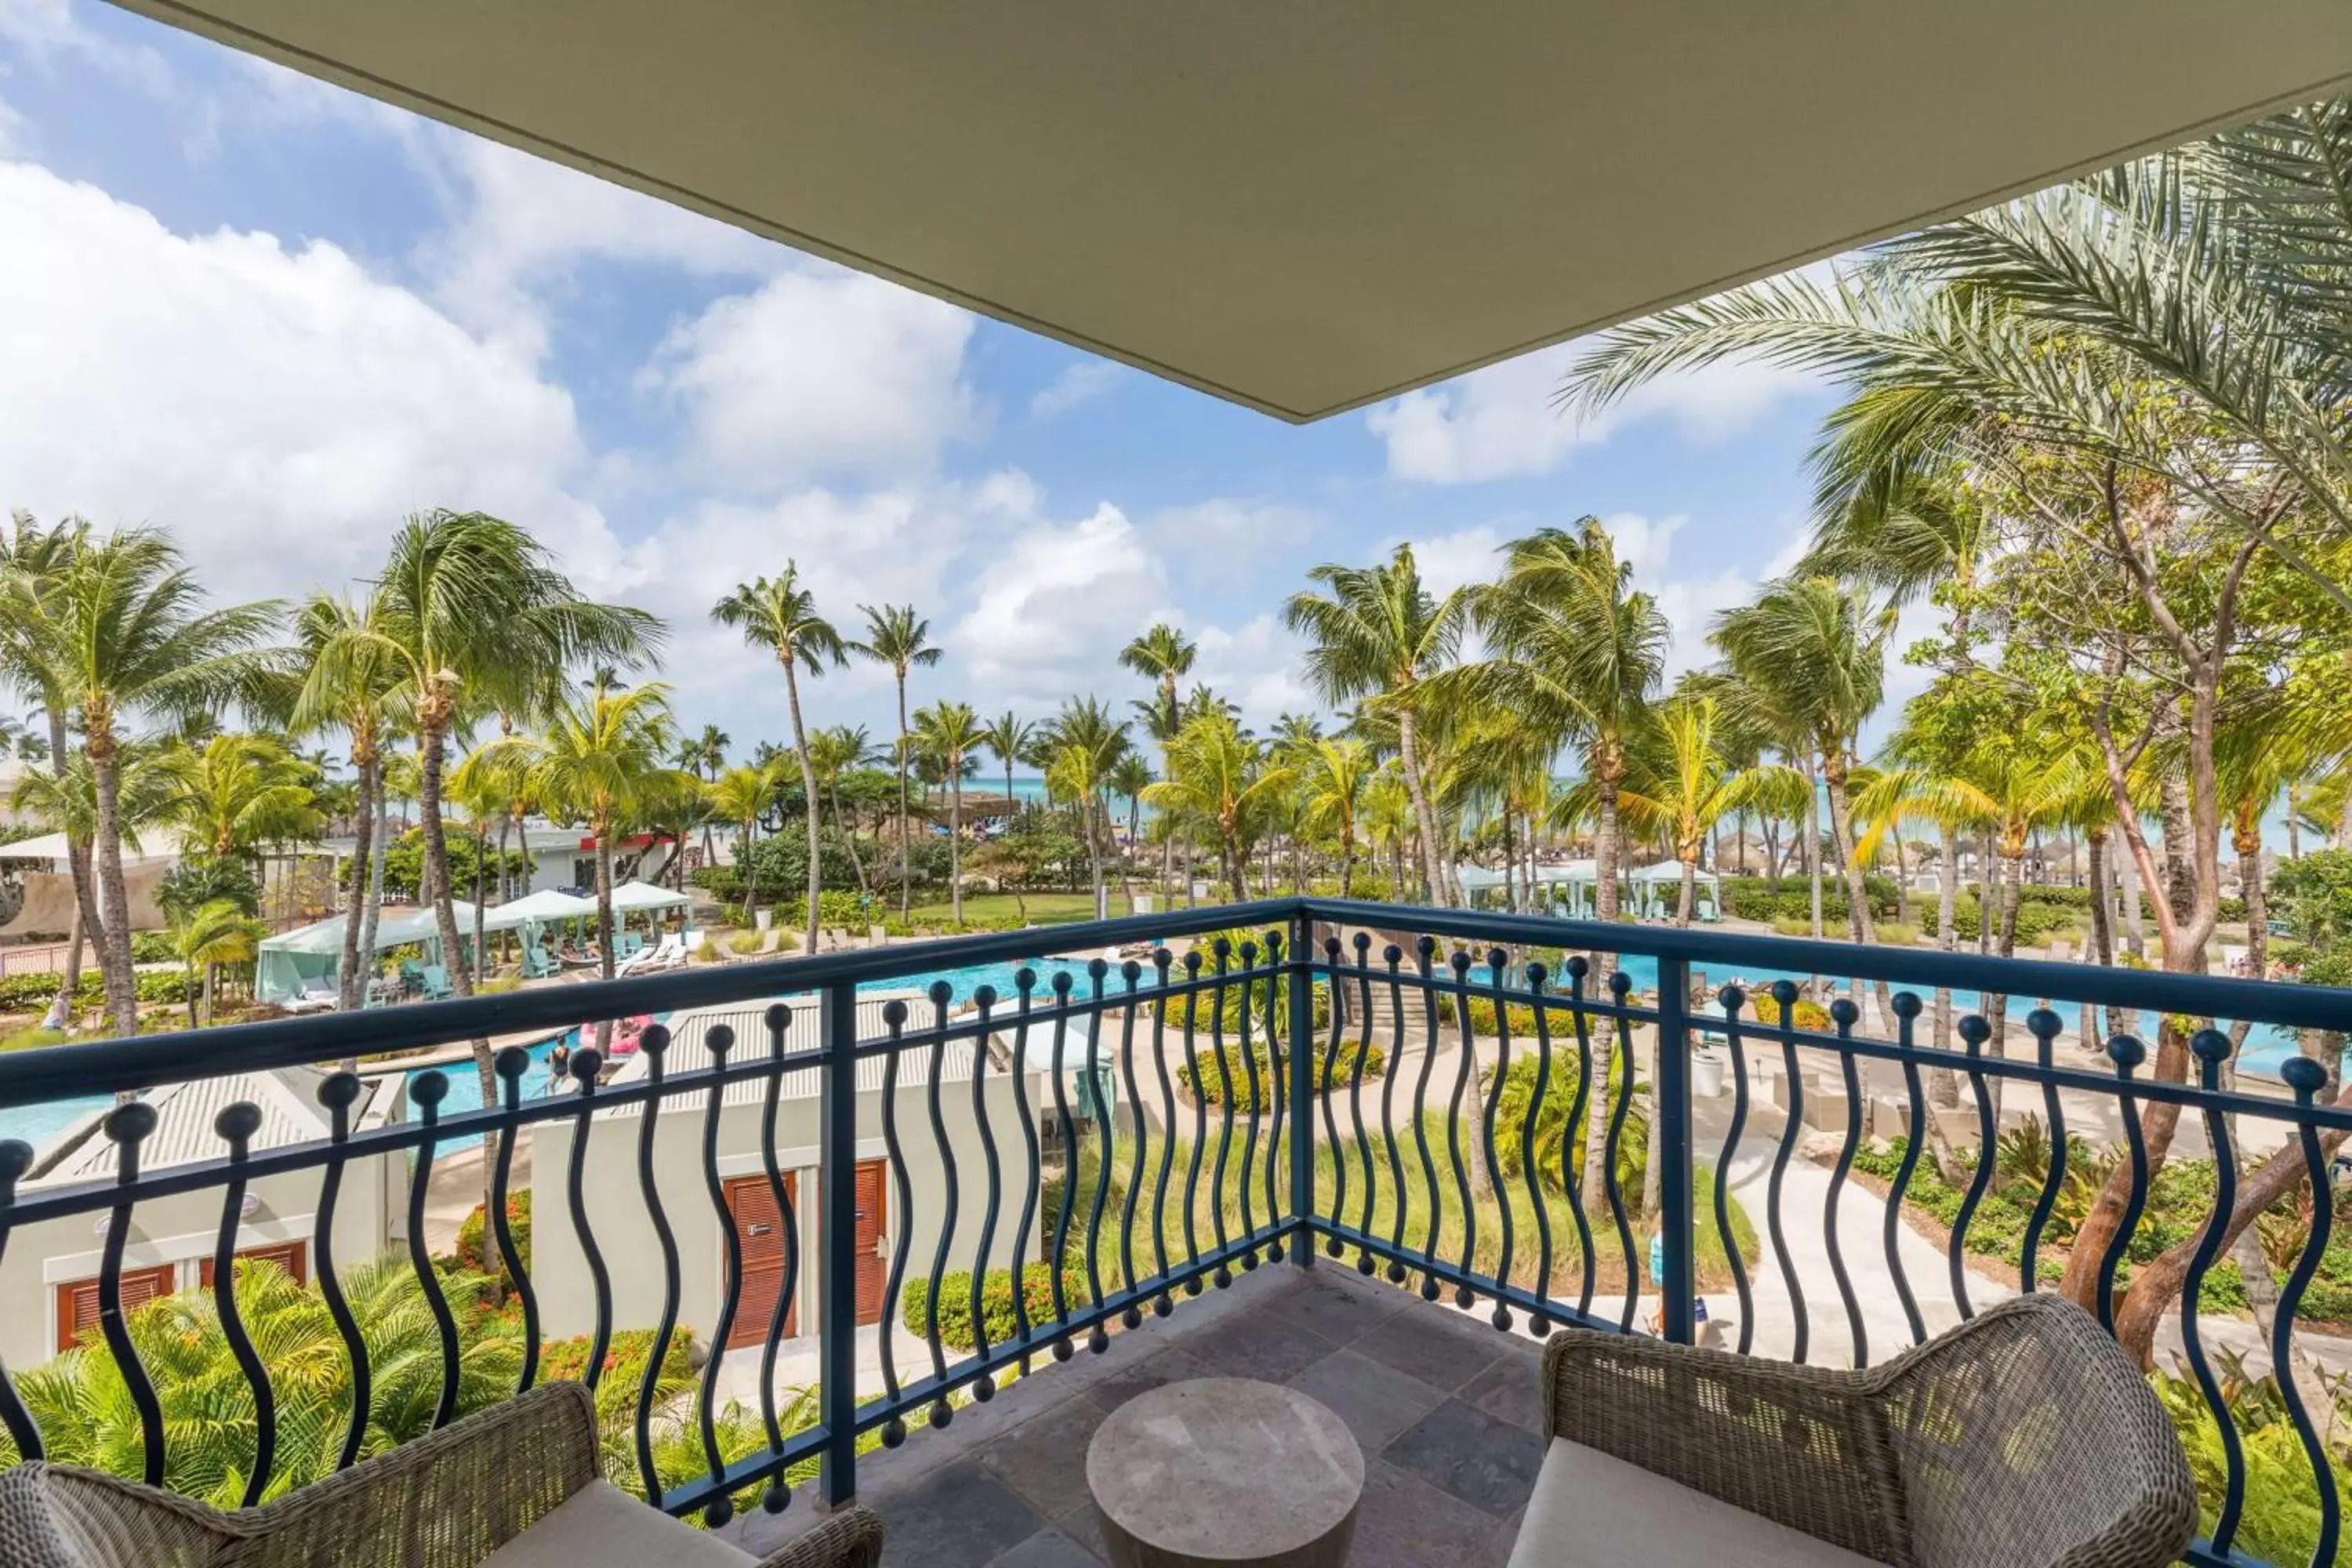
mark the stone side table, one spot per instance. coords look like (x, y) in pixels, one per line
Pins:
(1221, 1471)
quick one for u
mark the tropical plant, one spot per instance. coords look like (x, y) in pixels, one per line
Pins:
(1213, 773)
(1682, 787)
(947, 732)
(741, 794)
(780, 616)
(1333, 775)
(897, 636)
(1164, 656)
(209, 936)
(1082, 745)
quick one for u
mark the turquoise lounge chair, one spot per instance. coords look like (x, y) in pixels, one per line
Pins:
(436, 982)
(538, 963)
(629, 944)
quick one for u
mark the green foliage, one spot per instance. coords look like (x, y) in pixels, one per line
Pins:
(31, 992)
(1330, 1070)
(154, 947)
(159, 986)
(836, 908)
(1753, 899)
(1765, 1008)
(404, 863)
(478, 1252)
(995, 1302)
(1555, 1141)
(2278, 1518)
(201, 880)
(780, 861)
(2314, 896)
(2037, 917)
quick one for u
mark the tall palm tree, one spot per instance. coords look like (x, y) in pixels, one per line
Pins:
(1083, 745)
(205, 938)
(1164, 656)
(601, 760)
(1215, 774)
(1686, 787)
(898, 637)
(780, 616)
(1010, 739)
(947, 732)
(472, 611)
(236, 792)
(119, 629)
(1333, 776)
(832, 751)
(703, 756)
(1389, 822)
(1377, 632)
(741, 794)
(1129, 778)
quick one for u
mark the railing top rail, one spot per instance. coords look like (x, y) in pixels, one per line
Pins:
(2269, 1002)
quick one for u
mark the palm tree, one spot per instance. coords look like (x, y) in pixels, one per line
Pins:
(781, 617)
(1129, 778)
(1388, 821)
(1163, 654)
(1688, 787)
(1083, 745)
(1334, 775)
(741, 794)
(1378, 633)
(1216, 774)
(208, 936)
(472, 612)
(599, 763)
(234, 791)
(832, 753)
(947, 732)
(703, 755)
(1010, 739)
(118, 628)
(898, 637)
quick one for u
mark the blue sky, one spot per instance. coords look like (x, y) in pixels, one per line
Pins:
(274, 317)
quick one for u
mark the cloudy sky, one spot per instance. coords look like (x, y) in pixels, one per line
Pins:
(274, 317)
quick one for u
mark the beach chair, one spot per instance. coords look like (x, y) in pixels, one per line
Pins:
(538, 963)
(317, 996)
(628, 945)
(435, 982)
(411, 974)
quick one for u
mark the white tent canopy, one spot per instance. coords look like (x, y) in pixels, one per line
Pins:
(631, 896)
(298, 961)
(1661, 873)
(537, 908)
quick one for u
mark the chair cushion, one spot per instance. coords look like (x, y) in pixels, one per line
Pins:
(599, 1523)
(1592, 1510)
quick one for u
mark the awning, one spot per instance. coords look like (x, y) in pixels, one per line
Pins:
(537, 908)
(631, 896)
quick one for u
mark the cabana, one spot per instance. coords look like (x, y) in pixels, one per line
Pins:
(301, 965)
(634, 898)
(1657, 889)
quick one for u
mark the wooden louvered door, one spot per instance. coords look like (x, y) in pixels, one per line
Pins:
(77, 1301)
(759, 1232)
(872, 1218)
(286, 1255)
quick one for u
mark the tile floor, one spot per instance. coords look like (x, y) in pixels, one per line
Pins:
(1445, 1408)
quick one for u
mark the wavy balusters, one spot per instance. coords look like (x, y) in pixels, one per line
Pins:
(16, 1159)
(1162, 1304)
(1392, 955)
(1069, 1135)
(950, 1197)
(1278, 1046)
(1332, 1244)
(2128, 1053)
(1531, 1154)
(719, 1039)
(984, 1386)
(654, 1045)
(2044, 1024)
(586, 1064)
(337, 1094)
(1099, 1337)
(893, 1018)
(1621, 1069)
(1199, 1119)
(1571, 1151)
(2212, 1049)
(427, 1091)
(1222, 951)
(236, 1126)
(128, 1126)
(2306, 1077)
(1974, 1033)
(1130, 974)
(1906, 1016)
(509, 1065)
(1424, 953)
(1248, 954)
(1024, 987)
(1732, 999)
(1459, 962)
(1844, 1013)
(1497, 962)
(1784, 993)
(778, 1018)
(1356, 1112)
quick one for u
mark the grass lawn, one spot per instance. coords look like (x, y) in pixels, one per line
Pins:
(1043, 909)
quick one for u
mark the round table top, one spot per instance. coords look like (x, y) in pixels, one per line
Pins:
(1225, 1468)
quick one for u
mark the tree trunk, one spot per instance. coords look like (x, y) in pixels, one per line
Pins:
(1857, 887)
(1435, 887)
(114, 898)
(905, 872)
(602, 829)
(1604, 766)
(350, 989)
(1687, 900)
(1814, 848)
(374, 913)
(808, 800)
(955, 841)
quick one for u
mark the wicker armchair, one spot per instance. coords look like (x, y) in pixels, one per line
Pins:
(2023, 1439)
(515, 1485)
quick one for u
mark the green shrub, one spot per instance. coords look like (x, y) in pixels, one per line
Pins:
(1211, 1089)
(152, 947)
(1766, 1010)
(1551, 1122)
(161, 986)
(1792, 925)
(476, 1252)
(995, 1302)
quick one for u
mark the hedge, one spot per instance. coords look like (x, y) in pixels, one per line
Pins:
(995, 1302)
(471, 1244)
(1211, 1090)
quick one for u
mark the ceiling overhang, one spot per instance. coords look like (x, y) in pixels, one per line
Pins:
(1308, 206)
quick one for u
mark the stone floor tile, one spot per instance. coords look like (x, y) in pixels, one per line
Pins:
(1045, 1460)
(961, 1517)
(1168, 1366)
(1377, 1402)
(1513, 1389)
(1084, 1526)
(1408, 1523)
(1422, 1344)
(1260, 1346)
(1049, 1549)
(1337, 1303)
(1481, 1458)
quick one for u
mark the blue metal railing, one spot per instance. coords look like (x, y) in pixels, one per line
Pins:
(1417, 1087)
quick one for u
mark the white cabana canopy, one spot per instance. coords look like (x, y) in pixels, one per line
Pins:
(294, 962)
(1667, 872)
(631, 896)
(537, 908)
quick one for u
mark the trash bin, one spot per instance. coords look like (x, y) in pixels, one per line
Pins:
(1707, 1072)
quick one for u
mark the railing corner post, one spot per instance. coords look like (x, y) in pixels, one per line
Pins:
(1301, 1044)
(1677, 1190)
(836, 1236)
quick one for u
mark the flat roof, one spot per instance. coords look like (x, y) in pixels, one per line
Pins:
(1305, 208)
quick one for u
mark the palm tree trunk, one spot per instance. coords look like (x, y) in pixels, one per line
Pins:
(1607, 851)
(481, 915)
(955, 838)
(751, 873)
(1409, 750)
(906, 875)
(1684, 904)
(348, 989)
(1347, 858)
(808, 797)
(1857, 887)
(436, 863)
(604, 830)
(78, 863)
(379, 841)
(113, 897)
(1233, 862)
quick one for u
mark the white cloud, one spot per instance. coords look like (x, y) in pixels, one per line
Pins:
(1224, 542)
(1081, 382)
(1257, 665)
(1501, 422)
(279, 409)
(820, 372)
(46, 32)
(1054, 604)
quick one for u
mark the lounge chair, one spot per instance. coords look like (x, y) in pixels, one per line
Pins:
(316, 996)
(2024, 1436)
(436, 984)
(629, 944)
(538, 963)
(519, 1480)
